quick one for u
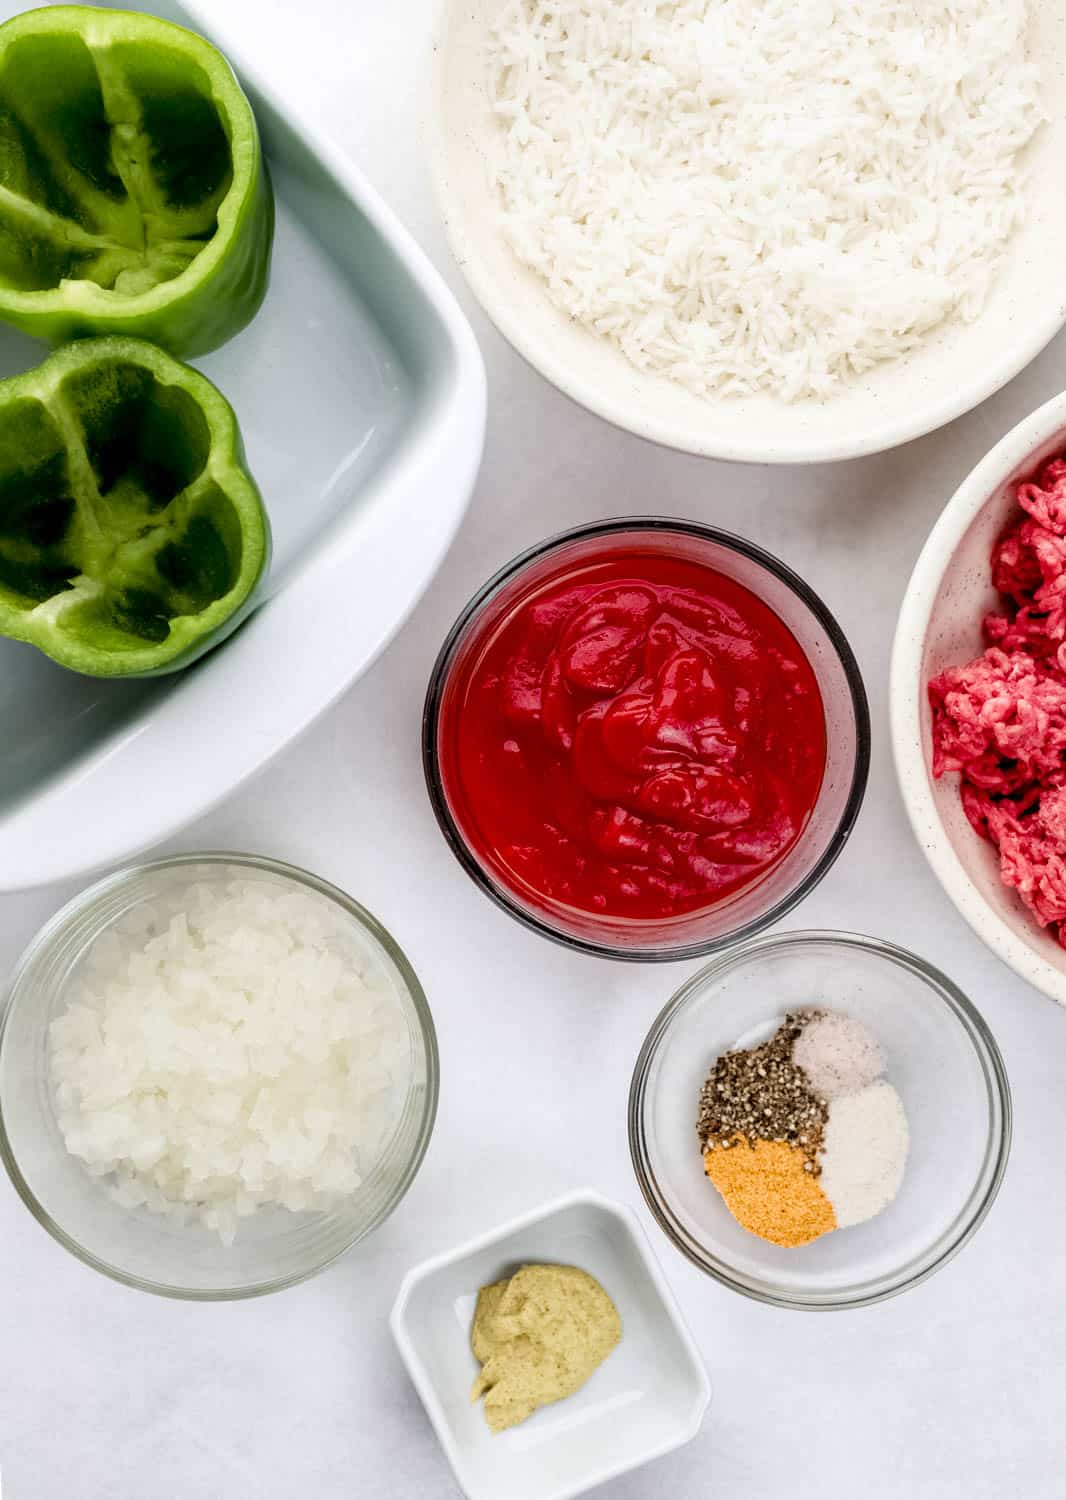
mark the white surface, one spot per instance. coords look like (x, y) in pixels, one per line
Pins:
(384, 420)
(953, 369)
(951, 1392)
(647, 1399)
(940, 626)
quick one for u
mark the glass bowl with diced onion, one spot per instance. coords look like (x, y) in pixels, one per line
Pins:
(217, 1074)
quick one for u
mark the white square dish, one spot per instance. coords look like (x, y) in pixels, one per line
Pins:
(361, 396)
(649, 1396)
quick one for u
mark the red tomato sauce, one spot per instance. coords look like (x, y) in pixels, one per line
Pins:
(638, 737)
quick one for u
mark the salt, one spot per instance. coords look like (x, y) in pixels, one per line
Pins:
(838, 1055)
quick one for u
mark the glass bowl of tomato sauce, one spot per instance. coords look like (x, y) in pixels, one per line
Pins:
(646, 739)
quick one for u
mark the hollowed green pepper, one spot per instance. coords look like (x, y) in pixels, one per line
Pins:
(132, 537)
(133, 194)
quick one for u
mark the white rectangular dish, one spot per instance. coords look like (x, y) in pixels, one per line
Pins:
(649, 1397)
(361, 395)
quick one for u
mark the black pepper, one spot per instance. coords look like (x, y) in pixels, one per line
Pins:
(760, 1094)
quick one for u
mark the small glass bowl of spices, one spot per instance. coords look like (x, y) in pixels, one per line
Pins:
(819, 1119)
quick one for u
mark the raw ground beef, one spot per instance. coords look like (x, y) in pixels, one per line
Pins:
(1000, 721)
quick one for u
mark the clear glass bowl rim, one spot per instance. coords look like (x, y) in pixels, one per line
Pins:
(986, 1187)
(79, 906)
(468, 617)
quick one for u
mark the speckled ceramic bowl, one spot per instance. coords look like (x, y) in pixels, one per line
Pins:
(940, 626)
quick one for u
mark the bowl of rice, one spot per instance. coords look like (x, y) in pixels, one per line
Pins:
(978, 699)
(778, 232)
(217, 1074)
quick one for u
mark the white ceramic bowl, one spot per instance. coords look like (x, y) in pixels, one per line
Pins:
(940, 626)
(952, 372)
(648, 1397)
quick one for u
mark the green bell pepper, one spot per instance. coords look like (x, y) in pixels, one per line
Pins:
(132, 536)
(133, 194)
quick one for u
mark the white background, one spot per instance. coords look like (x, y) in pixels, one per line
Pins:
(953, 1390)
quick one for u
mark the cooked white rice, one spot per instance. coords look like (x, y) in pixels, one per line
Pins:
(231, 1046)
(763, 195)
